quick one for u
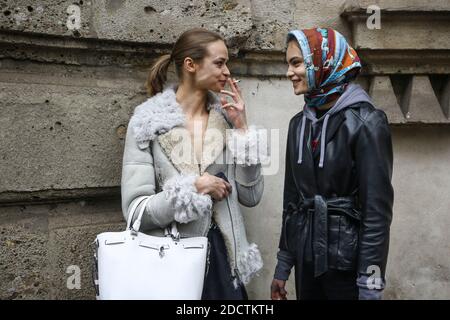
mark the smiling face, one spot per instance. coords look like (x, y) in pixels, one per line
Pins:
(212, 73)
(296, 68)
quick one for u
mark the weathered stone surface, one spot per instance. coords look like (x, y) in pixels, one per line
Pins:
(441, 88)
(125, 20)
(402, 62)
(271, 22)
(247, 24)
(396, 34)
(402, 25)
(312, 14)
(164, 21)
(418, 266)
(409, 5)
(23, 250)
(39, 242)
(64, 118)
(49, 17)
(72, 249)
(424, 106)
(84, 212)
(77, 52)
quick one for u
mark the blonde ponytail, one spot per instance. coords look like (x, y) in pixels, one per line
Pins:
(157, 75)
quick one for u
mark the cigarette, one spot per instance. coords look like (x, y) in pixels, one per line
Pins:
(236, 81)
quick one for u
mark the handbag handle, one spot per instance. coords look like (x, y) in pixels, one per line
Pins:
(170, 230)
(133, 211)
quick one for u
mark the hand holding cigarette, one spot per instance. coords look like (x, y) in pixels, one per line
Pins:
(235, 109)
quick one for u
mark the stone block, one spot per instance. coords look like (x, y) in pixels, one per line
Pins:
(24, 240)
(64, 118)
(424, 106)
(384, 98)
(72, 248)
(126, 20)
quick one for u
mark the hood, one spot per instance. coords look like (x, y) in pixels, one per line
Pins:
(353, 94)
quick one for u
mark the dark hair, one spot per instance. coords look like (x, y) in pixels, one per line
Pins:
(292, 38)
(192, 43)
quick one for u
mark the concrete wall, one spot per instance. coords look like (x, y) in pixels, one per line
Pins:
(66, 96)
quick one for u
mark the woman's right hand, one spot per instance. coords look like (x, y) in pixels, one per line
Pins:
(277, 290)
(216, 187)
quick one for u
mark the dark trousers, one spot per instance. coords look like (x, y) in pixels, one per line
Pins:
(219, 281)
(333, 285)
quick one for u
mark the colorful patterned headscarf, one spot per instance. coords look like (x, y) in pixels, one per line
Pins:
(331, 63)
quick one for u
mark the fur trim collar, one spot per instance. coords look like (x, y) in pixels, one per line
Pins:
(162, 117)
(155, 116)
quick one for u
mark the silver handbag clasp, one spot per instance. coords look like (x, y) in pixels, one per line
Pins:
(175, 237)
(133, 233)
(161, 252)
(172, 231)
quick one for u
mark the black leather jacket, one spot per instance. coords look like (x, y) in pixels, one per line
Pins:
(339, 215)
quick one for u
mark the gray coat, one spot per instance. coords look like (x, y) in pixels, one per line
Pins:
(158, 162)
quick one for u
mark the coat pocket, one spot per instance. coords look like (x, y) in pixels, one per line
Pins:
(342, 242)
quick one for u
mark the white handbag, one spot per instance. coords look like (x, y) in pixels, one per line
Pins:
(134, 265)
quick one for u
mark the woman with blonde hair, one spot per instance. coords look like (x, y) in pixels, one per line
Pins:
(178, 153)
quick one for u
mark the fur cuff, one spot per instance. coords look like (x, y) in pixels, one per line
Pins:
(189, 205)
(249, 148)
(250, 263)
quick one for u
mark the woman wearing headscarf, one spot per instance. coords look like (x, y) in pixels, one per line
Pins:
(338, 197)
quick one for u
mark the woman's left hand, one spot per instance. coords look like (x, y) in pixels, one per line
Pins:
(236, 109)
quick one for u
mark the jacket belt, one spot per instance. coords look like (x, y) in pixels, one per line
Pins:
(320, 206)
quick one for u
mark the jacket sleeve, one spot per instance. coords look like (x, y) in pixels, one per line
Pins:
(285, 258)
(248, 150)
(374, 157)
(178, 200)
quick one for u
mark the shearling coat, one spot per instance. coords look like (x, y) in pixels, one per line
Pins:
(159, 162)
